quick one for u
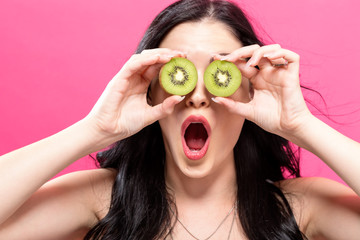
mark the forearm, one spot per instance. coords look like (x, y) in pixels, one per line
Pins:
(339, 152)
(25, 170)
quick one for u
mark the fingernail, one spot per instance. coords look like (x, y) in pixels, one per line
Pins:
(267, 55)
(181, 53)
(214, 100)
(180, 98)
(224, 58)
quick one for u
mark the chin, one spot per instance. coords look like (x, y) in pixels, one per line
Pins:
(196, 169)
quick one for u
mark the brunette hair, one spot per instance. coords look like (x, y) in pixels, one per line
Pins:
(140, 203)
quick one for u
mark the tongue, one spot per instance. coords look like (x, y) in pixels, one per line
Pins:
(195, 136)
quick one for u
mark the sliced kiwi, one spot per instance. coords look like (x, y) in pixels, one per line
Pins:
(178, 76)
(222, 78)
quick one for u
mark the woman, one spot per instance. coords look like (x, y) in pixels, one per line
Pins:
(152, 185)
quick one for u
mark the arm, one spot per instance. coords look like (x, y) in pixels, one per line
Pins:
(279, 107)
(25, 170)
(339, 152)
(64, 208)
(121, 111)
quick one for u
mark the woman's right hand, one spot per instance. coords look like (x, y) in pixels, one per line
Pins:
(122, 110)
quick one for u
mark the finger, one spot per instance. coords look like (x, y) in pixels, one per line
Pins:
(165, 55)
(163, 51)
(292, 59)
(152, 71)
(258, 55)
(239, 57)
(138, 64)
(247, 72)
(279, 62)
(240, 54)
(242, 109)
(163, 109)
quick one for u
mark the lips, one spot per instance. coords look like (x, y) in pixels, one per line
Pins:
(195, 132)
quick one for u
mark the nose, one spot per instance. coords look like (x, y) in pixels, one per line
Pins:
(199, 97)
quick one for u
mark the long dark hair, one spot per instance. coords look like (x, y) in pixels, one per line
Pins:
(140, 203)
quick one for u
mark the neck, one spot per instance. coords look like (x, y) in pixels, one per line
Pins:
(202, 201)
(218, 185)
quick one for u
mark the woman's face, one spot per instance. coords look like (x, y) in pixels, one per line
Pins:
(200, 135)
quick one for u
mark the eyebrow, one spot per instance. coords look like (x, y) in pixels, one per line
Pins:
(221, 54)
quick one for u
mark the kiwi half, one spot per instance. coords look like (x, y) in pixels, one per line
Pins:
(222, 78)
(178, 76)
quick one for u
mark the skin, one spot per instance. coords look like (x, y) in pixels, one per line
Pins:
(203, 190)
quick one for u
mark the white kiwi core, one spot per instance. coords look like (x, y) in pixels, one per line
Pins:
(222, 78)
(179, 76)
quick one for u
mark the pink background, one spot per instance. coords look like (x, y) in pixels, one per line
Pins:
(56, 57)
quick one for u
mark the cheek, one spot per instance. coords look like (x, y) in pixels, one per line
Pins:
(232, 128)
(228, 131)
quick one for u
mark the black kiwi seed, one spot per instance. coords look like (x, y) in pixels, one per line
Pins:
(184, 77)
(217, 80)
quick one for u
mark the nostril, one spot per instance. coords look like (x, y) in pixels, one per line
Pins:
(197, 101)
(197, 104)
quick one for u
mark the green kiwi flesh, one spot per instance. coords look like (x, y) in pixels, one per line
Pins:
(178, 76)
(222, 78)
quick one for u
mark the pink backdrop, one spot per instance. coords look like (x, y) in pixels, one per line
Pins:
(56, 57)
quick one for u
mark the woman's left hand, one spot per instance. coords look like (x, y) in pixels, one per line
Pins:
(277, 104)
(279, 107)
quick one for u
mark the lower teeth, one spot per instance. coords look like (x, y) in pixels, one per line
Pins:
(195, 150)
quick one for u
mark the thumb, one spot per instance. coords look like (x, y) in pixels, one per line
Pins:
(243, 109)
(164, 109)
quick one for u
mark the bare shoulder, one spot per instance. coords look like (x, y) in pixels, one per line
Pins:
(93, 187)
(321, 205)
(311, 187)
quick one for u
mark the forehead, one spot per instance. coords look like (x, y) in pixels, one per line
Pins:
(207, 35)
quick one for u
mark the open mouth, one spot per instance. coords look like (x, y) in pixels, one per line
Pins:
(195, 137)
